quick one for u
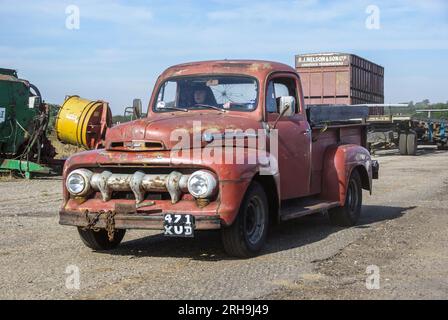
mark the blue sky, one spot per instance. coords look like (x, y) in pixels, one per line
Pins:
(122, 46)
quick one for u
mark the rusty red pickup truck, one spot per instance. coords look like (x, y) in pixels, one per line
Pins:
(226, 145)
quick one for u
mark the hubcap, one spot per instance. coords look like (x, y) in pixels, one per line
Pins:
(254, 220)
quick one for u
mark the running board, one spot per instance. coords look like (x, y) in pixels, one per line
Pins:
(293, 209)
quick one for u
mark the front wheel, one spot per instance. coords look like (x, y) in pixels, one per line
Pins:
(100, 240)
(348, 215)
(247, 235)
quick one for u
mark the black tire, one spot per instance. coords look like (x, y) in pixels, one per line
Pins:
(403, 144)
(348, 215)
(247, 235)
(411, 144)
(100, 240)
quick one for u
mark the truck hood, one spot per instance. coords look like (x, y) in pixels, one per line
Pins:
(164, 132)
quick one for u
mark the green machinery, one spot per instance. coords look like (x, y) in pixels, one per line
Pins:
(24, 117)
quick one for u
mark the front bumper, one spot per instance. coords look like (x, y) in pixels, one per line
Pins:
(133, 220)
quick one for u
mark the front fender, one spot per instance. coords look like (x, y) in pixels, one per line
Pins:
(339, 163)
(236, 178)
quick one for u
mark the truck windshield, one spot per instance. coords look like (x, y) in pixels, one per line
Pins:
(237, 93)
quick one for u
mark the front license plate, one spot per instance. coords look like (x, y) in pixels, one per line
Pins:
(178, 225)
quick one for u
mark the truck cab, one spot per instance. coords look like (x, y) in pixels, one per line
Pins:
(226, 145)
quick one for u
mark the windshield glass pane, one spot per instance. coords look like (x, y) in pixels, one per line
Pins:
(236, 93)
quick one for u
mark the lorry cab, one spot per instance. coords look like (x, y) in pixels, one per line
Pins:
(226, 145)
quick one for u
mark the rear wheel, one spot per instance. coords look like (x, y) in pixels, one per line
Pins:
(402, 144)
(100, 240)
(411, 144)
(348, 215)
(247, 235)
(441, 146)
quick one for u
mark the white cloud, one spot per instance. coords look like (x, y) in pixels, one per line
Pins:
(97, 10)
(282, 12)
(115, 12)
(125, 45)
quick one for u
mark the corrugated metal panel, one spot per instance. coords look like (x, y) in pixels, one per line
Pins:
(342, 83)
(315, 84)
(329, 84)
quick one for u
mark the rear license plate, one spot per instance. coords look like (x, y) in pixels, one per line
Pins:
(178, 225)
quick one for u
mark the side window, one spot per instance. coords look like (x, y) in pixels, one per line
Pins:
(271, 103)
(168, 94)
(279, 87)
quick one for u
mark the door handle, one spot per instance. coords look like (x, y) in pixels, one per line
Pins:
(307, 132)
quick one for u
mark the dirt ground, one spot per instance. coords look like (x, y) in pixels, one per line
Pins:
(402, 235)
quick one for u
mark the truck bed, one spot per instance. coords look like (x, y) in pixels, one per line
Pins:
(334, 125)
(336, 114)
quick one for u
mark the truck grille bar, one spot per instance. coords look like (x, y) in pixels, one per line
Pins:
(139, 183)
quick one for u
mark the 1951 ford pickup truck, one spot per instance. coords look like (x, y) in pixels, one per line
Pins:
(226, 145)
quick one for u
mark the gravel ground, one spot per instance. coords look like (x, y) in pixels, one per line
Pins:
(402, 232)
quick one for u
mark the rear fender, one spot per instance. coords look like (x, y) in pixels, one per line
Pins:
(339, 163)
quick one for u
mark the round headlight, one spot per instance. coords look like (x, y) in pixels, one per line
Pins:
(202, 184)
(78, 182)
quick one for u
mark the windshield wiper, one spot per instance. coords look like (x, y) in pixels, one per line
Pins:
(209, 106)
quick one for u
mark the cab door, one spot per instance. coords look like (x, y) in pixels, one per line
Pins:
(294, 137)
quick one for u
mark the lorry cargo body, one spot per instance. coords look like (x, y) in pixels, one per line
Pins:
(338, 78)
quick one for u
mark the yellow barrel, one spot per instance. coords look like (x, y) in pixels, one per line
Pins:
(82, 122)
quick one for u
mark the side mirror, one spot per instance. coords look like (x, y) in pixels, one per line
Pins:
(286, 106)
(137, 108)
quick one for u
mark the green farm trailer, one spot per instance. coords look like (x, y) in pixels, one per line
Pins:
(24, 146)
